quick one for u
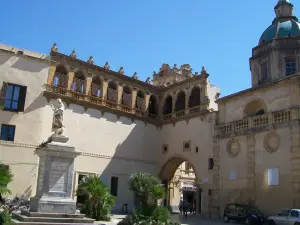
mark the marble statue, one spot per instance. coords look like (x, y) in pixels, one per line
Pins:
(91, 60)
(54, 48)
(73, 54)
(58, 118)
(106, 66)
(121, 71)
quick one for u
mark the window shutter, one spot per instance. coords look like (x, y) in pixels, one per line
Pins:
(22, 98)
(3, 94)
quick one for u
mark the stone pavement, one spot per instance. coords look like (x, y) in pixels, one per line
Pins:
(190, 220)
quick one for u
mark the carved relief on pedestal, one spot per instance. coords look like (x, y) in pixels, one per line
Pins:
(233, 147)
(272, 141)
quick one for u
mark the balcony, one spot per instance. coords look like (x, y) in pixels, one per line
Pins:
(257, 123)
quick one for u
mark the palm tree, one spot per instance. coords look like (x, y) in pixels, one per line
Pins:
(99, 202)
(5, 178)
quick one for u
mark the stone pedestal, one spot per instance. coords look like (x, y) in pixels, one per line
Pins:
(55, 178)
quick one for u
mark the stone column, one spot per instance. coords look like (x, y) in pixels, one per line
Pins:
(55, 178)
(88, 83)
(120, 91)
(70, 79)
(295, 161)
(133, 97)
(104, 86)
(147, 99)
(187, 99)
(251, 176)
(51, 74)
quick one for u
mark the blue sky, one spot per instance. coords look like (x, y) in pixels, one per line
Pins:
(142, 35)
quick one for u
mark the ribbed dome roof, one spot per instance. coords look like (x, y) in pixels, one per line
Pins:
(281, 28)
(284, 25)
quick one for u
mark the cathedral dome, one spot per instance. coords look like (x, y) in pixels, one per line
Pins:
(284, 25)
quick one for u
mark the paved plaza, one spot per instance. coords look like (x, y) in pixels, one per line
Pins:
(190, 220)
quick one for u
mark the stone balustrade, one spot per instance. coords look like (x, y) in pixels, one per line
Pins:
(257, 123)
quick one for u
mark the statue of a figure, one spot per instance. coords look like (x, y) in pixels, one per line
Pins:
(91, 60)
(58, 118)
(106, 66)
(148, 80)
(121, 71)
(135, 76)
(203, 71)
(73, 54)
(54, 48)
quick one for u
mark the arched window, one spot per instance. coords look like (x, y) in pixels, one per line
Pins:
(152, 108)
(112, 92)
(126, 96)
(140, 100)
(254, 108)
(194, 97)
(180, 102)
(60, 78)
(96, 87)
(78, 82)
(168, 106)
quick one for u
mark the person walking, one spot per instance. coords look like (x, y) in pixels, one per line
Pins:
(185, 208)
(194, 206)
(180, 206)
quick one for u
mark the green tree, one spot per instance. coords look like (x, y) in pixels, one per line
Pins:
(5, 178)
(147, 189)
(99, 202)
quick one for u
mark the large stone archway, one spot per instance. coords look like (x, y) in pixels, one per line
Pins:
(181, 184)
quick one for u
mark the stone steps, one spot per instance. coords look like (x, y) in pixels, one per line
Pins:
(53, 215)
(49, 218)
(43, 223)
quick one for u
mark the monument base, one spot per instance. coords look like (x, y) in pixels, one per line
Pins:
(47, 204)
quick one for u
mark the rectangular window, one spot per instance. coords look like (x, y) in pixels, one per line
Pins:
(264, 71)
(7, 132)
(273, 177)
(211, 164)
(13, 97)
(114, 186)
(290, 66)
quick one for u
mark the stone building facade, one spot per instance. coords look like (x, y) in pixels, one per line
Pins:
(243, 147)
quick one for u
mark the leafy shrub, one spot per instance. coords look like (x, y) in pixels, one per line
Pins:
(5, 178)
(147, 189)
(99, 202)
(5, 218)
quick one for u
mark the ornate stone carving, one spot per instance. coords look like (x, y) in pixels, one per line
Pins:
(91, 60)
(233, 147)
(73, 54)
(121, 71)
(135, 76)
(272, 141)
(165, 67)
(54, 48)
(148, 81)
(106, 66)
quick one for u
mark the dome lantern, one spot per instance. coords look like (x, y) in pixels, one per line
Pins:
(284, 25)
